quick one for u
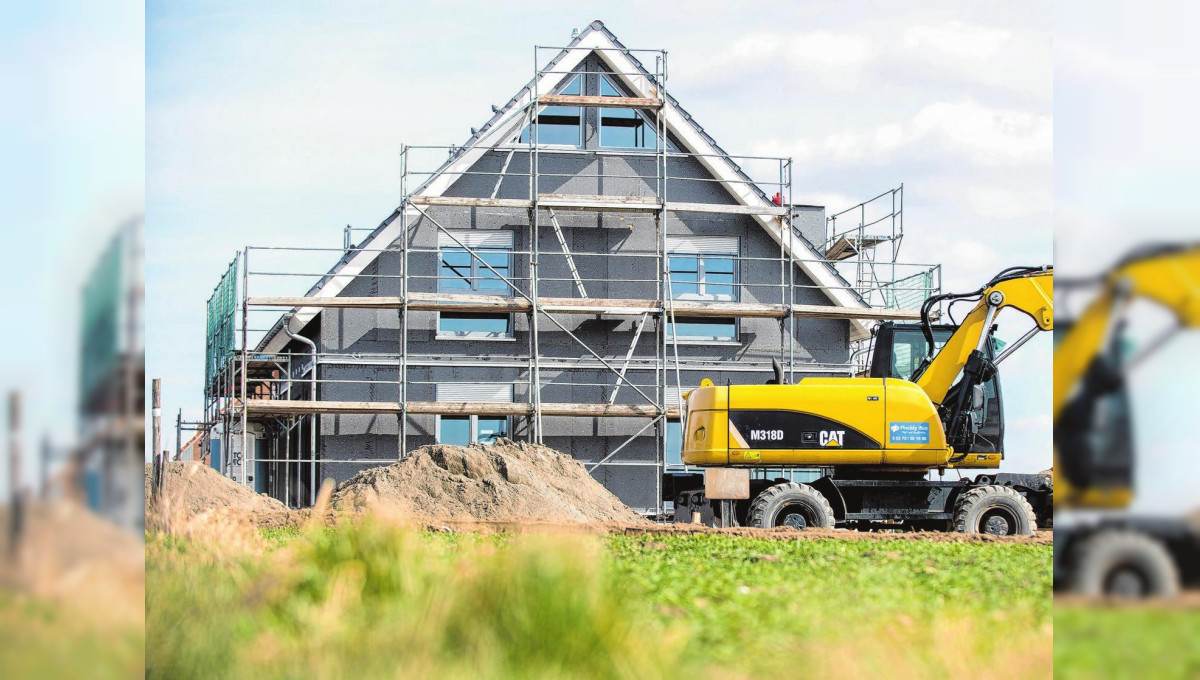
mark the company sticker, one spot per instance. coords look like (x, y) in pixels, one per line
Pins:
(908, 433)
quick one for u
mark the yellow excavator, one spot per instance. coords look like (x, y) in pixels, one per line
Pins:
(930, 402)
(1106, 550)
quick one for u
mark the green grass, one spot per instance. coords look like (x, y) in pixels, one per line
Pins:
(1123, 642)
(42, 639)
(743, 604)
(375, 601)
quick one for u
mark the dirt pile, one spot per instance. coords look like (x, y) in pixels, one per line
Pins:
(193, 488)
(503, 481)
(69, 555)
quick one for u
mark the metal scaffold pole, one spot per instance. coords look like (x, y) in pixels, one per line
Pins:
(661, 218)
(534, 325)
(785, 236)
(402, 425)
(245, 359)
(791, 279)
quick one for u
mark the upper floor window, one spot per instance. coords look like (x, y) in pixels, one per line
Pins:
(703, 330)
(460, 271)
(625, 128)
(474, 326)
(703, 268)
(561, 125)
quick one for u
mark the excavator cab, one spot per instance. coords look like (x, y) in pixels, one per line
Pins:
(900, 348)
(1094, 436)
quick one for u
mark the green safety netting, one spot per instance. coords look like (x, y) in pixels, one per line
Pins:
(99, 333)
(222, 307)
(908, 292)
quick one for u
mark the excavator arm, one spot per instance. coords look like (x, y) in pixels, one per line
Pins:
(1088, 367)
(1029, 290)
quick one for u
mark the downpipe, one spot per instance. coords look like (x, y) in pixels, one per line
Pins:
(312, 425)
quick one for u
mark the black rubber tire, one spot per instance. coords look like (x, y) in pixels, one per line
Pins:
(1101, 557)
(766, 510)
(994, 509)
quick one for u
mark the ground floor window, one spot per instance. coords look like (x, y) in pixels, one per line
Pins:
(674, 443)
(465, 430)
(703, 330)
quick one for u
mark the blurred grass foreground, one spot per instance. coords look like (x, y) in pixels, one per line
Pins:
(375, 599)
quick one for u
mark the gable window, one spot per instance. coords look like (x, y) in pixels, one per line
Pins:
(625, 128)
(462, 430)
(559, 125)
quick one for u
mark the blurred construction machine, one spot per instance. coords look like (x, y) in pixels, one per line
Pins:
(1104, 550)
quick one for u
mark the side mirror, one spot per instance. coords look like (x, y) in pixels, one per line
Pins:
(977, 398)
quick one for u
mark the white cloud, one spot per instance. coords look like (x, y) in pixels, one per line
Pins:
(957, 40)
(1119, 66)
(835, 60)
(964, 131)
(882, 56)
(999, 202)
(1012, 61)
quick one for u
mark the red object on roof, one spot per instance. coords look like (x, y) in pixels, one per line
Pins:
(778, 198)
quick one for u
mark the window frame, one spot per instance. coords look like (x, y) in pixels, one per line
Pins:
(701, 283)
(509, 336)
(703, 340)
(476, 267)
(579, 144)
(477, 274)
(637, 112)
(676, 427)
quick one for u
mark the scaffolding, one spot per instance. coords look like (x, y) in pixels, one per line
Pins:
(247, 382)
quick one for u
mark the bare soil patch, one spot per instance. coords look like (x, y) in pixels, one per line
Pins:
(506, 481)
(192, 488)
(780, 533)
(507, 487)
(1188, 599)
(69, 555)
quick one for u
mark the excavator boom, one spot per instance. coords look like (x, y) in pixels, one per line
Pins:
(1031, 293)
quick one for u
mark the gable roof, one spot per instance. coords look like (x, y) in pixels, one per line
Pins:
(508, 121)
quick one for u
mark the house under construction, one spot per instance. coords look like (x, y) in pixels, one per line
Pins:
(588, 254)
(105, 468)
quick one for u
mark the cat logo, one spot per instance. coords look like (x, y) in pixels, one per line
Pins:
(833, 437)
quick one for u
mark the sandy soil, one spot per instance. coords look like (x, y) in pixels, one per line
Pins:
(1189, 599)
(781, 533)
(507, 487)
(192, 488)
(69, 555)
(502, 482)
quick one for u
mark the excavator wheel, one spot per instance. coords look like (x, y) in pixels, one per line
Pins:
(791, 504)
(1124, 564)
(996, 510)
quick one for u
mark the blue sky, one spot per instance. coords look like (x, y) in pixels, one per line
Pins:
(1125, 173)
(72, 165)
(280, 124)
